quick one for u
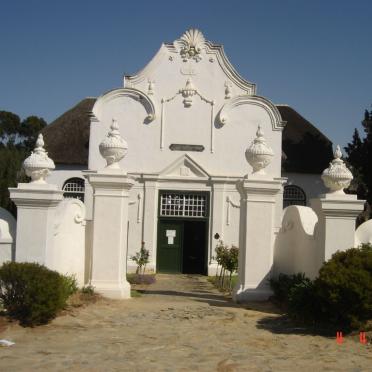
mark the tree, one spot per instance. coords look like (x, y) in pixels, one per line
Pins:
(10, 126)
(359, 157)
(29, 130)
(17, 139)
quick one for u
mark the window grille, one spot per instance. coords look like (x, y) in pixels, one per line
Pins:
(293, 195)
(183, 205)
(74, 188)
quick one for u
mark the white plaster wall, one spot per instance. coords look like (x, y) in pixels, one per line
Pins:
(187, 126)
(68, 255)
(363, 234)
(297, 245)
(199, 124)
(63, 172)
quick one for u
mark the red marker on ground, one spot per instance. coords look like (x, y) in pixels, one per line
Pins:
(362, 338)
(339, 338)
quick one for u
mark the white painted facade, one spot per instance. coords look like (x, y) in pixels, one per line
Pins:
(222, 116)
(190, 126)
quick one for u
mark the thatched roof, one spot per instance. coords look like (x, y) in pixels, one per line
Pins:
(305, 148)
(67, 137)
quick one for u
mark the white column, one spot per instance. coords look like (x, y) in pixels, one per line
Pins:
(36, 204)
(150, 219)
(337, 214)
(110, 231)
(256, 238)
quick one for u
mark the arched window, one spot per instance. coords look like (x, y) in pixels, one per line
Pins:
(293, 195)
(74, 188)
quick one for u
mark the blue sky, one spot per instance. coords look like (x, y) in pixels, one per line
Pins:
(314, 55)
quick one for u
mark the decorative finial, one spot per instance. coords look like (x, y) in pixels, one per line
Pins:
(38, 165)
(260, 133)
(192, 42)
(259, 153)
(337, 153)
(188, 92)
(337, 176)
(113, 148)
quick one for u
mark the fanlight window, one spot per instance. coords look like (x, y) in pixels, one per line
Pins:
(74, 188)
(293, 195)
(183, 205)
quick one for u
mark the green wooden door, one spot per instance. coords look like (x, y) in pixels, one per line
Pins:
(169, 256)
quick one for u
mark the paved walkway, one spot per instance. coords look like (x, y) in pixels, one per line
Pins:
(180, 323)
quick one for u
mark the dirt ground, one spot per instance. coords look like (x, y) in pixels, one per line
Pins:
(180, 323)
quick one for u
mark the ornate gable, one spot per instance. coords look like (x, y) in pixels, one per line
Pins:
(191, 51)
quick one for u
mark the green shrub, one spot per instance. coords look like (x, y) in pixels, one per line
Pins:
(141, 258)
(227, 261)
(302, 303)
(32, 293)
(284, 284)
(88, 290)
(344, 288)
(70, 284)
(341, 296)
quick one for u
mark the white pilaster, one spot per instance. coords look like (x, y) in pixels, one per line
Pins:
(217, 222)
(150, 219)
(110, 232)
(36, 204)
(337, 214)
(256, 238)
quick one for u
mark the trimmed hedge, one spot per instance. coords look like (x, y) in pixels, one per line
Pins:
(33, 294)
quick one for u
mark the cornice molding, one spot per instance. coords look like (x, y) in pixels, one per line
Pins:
(227, 67)
(273, 112)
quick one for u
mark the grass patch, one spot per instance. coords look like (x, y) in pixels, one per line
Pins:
(134, 293)
(141, 278)
(226, 287)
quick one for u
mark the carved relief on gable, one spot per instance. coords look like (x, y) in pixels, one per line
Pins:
(192, 43)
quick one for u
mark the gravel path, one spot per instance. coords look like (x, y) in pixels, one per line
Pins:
(180, 323)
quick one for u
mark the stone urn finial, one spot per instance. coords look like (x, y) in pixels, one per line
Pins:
(187, 93)
(337, 176)
(38, 165)
(113, 148)
(259, 153)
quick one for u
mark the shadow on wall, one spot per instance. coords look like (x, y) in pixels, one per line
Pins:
(8, 227)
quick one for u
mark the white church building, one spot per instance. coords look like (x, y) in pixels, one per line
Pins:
(184, 154)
